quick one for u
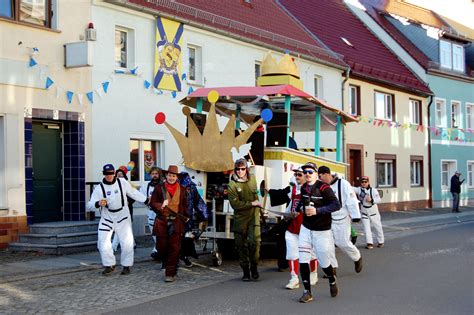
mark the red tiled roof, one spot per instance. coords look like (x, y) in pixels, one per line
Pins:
(261, 21)
(331, 21)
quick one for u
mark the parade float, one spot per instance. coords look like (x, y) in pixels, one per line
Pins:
(271, 111)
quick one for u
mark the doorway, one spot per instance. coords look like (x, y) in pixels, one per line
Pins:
(355, 163)
(47, 171)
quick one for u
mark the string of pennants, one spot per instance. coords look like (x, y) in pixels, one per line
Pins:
(103, 88)
(452, 134)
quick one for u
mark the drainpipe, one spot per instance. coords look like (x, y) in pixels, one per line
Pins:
(343, 92)
(430, 180)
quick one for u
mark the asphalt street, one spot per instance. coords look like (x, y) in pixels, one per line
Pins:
(425, 273)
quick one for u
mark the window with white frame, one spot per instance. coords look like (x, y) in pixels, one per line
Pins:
(470, 116)
(385, 170)
(145, 154)
(455, 114)
(258, 70)
(34, 12)
(447, 170)
(415, 112)
(440, 115)
(2, 164)
(194, 64)
(416, 170)
(470, 174)
(451, 56)
(354, 100)
(384, 107)
(318, 83)
(124, 53)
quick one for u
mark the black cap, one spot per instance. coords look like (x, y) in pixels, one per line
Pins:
(310, 165)
(324, 170)
(108, 169)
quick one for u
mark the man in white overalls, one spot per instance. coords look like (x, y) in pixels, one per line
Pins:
(111, 197)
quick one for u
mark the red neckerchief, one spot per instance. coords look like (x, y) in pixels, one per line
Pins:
(171, 188)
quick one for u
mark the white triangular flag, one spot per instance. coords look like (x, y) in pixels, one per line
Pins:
(99, 92)
(42, 74)
(80, 97)
(59, 91)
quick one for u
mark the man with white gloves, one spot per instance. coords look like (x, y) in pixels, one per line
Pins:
(111, 197)
(341, 219)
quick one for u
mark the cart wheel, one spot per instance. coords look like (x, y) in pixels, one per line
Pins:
(216, 259)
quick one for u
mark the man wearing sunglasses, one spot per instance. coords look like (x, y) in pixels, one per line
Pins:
(369, 199)
(243, 198)
(341, 219)
(317, 203)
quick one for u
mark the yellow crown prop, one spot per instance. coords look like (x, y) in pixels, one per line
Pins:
(285, 66)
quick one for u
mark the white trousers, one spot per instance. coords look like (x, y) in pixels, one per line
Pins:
(341, 230)
(151, 222)
(374, 220)
(319, 242)
(292, 252)
(121, 223)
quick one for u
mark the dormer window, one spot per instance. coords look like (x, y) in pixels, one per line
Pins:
(451, 56)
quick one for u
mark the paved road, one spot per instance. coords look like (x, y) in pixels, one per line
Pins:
(428, 273)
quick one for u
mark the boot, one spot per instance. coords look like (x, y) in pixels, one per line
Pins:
(254, 272)
(246, 276)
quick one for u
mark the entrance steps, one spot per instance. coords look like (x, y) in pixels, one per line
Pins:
(59, 238)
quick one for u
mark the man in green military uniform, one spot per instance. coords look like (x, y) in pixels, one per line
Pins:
(243, 198)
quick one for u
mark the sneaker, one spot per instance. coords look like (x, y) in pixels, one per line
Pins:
(369, 246)
(294, 283)
(333, 289)
(358, 265)
(313, 278)
(187, 262)
(380, 245)
(254, 272)
(170, 278)
(125, 271)
(307, 297)
(108, 270)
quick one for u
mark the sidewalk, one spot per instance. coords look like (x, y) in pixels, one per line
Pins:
(27, 266)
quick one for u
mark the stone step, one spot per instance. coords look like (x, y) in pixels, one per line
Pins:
(61, 249)
(64, 227)
(58, 239)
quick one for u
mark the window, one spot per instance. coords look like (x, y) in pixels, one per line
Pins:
(470, 116)
(2, 163)
(447, 170)
(36, 12)
(144, 154)
(318, 84)
(415, 112)
(416, 170)
(194, 64)
(451, 56)
(455, 113)
(121, 48)
(258, 71)
(440, 115)
(470, 174)
(384, 107)
(385, 170)
(354, 100)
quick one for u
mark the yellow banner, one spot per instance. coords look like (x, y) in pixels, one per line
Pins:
(168, 60)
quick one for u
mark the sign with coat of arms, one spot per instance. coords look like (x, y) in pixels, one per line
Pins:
(168, 60)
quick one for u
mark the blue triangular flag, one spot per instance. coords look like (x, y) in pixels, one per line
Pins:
(105, 86)
(69, 95)
(174, 94)
(120, 71)
(190, 90)
(90, 97)
(32, 62)
(134, 71)
(160, 92)
(146, 84)
(35, 49)
(49, 82)
(183, 76)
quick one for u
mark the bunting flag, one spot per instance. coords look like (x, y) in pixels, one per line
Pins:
(69, 95)
(32, 62)
(80, 98)
(90, 97)
(146, 84)
(174, 94)
(99, 92)
(183, 76)
(190, 90)
(49, 82)
(105, 86)
(58, 91)
(134, 71)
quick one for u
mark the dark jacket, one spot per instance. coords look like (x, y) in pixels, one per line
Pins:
(456, 184)
(157, 199)
(196, 205)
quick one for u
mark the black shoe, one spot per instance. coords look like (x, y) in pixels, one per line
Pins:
(380, 245)
(108, 270)
(155, 256)
(125, 271)
(307, 297)
(246, 276)
(186, 261)
(354, 239)
(334, 272)
(358, 265)
(254, 272)
(333, 289)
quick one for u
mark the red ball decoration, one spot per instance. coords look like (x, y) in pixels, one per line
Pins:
(160, 118)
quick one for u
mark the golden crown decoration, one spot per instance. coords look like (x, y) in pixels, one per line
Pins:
(211, 150)
(285, 66)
